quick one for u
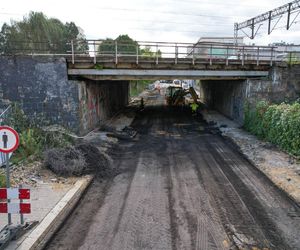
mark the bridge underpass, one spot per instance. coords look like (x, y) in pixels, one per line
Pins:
(83, 82)
(224, 67)
(225, 90)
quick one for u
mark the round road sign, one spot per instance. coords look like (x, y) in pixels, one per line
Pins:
(9, 139)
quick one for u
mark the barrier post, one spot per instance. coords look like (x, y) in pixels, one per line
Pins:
(8, 185)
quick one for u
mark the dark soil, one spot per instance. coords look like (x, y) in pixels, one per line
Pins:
(181, 187)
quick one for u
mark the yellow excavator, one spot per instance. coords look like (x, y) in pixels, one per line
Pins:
(175, 95)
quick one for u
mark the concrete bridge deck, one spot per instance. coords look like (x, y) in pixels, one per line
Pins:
(127, 68)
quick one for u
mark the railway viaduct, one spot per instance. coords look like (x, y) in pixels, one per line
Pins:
(80, 91)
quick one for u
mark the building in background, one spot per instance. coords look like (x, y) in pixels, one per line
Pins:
(215, 47)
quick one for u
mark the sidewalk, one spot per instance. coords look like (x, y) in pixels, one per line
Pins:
(280, 167)
(44, 197)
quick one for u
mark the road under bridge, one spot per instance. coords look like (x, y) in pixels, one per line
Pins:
(181, 186)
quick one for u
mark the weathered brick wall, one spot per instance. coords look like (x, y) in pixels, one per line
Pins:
(41, 86)
(283, 85)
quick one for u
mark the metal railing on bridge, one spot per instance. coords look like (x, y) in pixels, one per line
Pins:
(101, 51)
(166, 52)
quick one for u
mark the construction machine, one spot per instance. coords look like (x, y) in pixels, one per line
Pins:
(175, 95)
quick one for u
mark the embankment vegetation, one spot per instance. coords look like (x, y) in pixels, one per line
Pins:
(137, 87)
(34, 139)
(276, 123)
(2, 181)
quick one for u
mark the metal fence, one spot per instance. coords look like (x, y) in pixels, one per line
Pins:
(159, 52)
(4, 115)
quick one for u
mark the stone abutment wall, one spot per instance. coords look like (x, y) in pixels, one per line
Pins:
(42, 88)
(229, 97)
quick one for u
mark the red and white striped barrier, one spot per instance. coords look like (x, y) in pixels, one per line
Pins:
(15, 208)
(15, 193)
(12, 194)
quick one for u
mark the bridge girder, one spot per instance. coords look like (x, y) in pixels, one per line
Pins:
(129, 74)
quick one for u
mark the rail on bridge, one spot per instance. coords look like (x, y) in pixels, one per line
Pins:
(162, 60)
(152, 60)
(102, 51)
(110, 59)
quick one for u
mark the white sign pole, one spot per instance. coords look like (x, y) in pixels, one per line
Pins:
(8, 185)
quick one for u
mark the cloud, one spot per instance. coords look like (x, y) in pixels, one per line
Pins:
(148, 20)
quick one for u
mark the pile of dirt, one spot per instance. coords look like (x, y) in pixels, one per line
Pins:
(97, 162)
(65, 162)
(79, 160)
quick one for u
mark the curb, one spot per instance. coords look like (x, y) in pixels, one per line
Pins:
(40, 235)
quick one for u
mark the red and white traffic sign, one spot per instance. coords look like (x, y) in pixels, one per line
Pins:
(9, 139)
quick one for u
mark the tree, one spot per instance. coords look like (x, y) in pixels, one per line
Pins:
(107, 46)
(37, 33)
(147, 52)
(126, 45)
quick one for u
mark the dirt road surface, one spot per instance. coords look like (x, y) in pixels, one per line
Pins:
(181, 187)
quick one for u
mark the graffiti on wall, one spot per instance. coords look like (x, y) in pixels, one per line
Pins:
(98, 102)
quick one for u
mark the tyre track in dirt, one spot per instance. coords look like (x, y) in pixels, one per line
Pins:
(272, 210)
(181, 188)
(198, 227)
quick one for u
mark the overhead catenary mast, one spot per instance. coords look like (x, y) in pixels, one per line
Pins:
(277, 13)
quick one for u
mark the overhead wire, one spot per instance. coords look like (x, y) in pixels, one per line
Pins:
(162, 12)
(172, 22)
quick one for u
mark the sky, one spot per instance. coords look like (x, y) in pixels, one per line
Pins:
(157, 20)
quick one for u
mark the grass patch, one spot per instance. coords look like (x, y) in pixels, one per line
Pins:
(2, 181)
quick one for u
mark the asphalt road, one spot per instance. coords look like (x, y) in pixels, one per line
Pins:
(181, 187)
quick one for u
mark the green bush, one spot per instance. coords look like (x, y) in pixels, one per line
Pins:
(279, 124)
(2, 181)
(253, 118)
(34, 141)
(29, 145)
